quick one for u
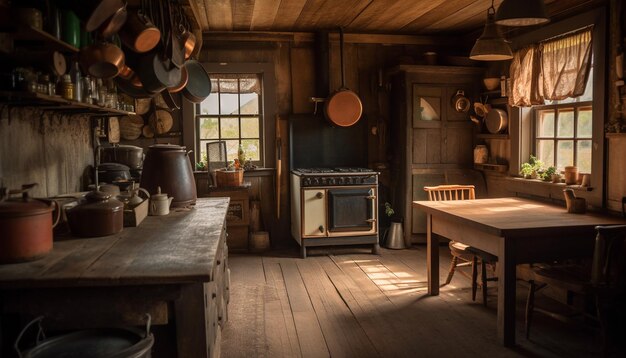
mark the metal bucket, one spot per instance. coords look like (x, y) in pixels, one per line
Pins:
(394, 237)
(93, 343)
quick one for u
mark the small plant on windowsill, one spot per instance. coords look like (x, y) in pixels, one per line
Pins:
(548, 174)
(532, 168)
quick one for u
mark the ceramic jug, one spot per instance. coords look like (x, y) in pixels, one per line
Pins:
(160, 203)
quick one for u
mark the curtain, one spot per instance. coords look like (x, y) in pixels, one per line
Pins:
(565, 65)
(236, 83)
(552, 70)
(525, 77)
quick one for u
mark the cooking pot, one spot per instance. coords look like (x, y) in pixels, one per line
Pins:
(481, 109)
(98, 214)
(96, 342)
(110, 172)
(114, 23)
(26, 226)
(460, 103)
(168, 166)
(102, 60)
(129, 155)
(139, 33)
(96, 12)
(496, 121)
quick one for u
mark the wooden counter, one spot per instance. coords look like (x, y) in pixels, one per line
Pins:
(173, 267)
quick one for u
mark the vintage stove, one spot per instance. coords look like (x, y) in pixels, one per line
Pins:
(334, 198)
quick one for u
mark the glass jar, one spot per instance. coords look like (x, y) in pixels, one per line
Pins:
(67, 87)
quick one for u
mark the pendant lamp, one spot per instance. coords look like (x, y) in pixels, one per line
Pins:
(491, 45)
(522, 13)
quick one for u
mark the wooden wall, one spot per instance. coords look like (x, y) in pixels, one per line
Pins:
(52, 151)
(366, 57)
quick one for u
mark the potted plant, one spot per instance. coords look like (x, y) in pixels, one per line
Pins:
(532, 168)
(548, 174)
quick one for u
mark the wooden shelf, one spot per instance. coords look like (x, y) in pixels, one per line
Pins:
(43, 39)
(57, 103)
(492, 136)
(501, 168)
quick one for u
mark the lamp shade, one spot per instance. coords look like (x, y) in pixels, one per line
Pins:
(522, 13)
(491, 45)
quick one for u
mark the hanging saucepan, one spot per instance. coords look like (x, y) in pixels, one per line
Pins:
(156, 72)
(198, 86)
(102, 60)
(496, 121)
(172, 100)
(114, 23)
(139, 33)
(131, 89)
(189, 42)
(184, 78)
(96, 12)
(460, 103)
(343, 108)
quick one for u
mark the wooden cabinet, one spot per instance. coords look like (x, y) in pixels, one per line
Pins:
(429, 135)
(238, 215)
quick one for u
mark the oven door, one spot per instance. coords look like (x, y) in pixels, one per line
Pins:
(352, 211)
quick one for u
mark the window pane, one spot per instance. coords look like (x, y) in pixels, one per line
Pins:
(232, 147)
(230, 127)
(209, 105)
(249, 103)
(565, 153)
(545, 152)
(565, 125)
(229, 103)
(583, 152)
(584, 123)
(250, 127)
(546, 124)
(209, 128)
(251, 148)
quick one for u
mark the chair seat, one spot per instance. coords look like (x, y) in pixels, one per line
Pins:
(458, 249)
(575, 278)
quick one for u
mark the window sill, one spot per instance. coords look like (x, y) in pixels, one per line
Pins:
(549, 184)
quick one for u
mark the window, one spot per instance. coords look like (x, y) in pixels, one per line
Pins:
(563, 131)
(233, 113)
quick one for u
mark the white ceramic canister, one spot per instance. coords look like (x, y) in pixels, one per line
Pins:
(160, 203)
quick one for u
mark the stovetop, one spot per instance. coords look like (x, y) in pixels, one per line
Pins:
(334, 171)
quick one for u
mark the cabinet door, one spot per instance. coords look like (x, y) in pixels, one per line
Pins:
(457, 145)
(427, 144)
(314, 212)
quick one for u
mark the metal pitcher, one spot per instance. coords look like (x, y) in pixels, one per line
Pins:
(394, 237)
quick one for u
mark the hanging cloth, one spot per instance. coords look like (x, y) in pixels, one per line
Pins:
(565, 64)
(525, 74)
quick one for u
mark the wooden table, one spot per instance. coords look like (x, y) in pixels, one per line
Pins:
(516, 231)
(171, 266)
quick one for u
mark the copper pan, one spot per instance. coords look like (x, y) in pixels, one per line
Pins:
(184, 78)
(102, 60)
(189, 41)
(139, 33)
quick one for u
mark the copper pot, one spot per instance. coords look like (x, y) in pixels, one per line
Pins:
(184, 78)
(139, 33)
(102, 60)
(98, 214)
(26, 226)
(168, 166)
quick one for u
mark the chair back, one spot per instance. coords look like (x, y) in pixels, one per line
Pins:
(450, 192)
(608, 267)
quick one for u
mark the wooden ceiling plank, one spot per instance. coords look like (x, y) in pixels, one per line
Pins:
(220, 14)
(443, 10)
(264, 14)
(195, 10)
(389, 16)
(242, 14)
(471, 11)
(339, 13)
(288, 13)
(310, 14)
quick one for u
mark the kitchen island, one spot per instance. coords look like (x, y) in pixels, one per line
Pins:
(173, 267)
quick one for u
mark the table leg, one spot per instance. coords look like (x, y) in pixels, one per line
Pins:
(191, 322)
(506, 292)
(432, 258)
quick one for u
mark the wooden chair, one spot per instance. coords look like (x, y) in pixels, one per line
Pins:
(463, 255)
(605, 281)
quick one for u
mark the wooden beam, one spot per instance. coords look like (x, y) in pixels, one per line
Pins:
(298, 37)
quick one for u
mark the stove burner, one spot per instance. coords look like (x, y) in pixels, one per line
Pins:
(315, 170)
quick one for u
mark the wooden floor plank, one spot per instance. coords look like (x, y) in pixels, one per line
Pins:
(342, 332)
(312, 343)
(283, 306)
(280, 329)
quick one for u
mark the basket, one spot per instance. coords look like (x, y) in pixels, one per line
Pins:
(228, 177)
